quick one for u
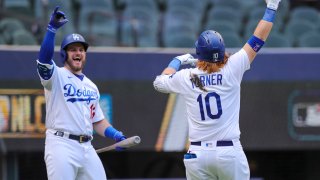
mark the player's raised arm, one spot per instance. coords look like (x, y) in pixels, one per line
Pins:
(57, 20)
(176, 62)
(45, 63)
(172, 68)
(260, 35)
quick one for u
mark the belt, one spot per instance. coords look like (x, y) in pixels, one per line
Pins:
(80, 138)
(219, 143)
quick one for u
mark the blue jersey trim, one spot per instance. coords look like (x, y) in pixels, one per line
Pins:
(44, 71)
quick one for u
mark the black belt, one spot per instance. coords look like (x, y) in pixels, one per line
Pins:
(80, 138)
(219, 143)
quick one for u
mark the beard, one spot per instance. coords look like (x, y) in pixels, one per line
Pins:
(74, 66)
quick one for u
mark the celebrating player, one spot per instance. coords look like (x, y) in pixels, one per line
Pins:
(72, 108)
(212, 95)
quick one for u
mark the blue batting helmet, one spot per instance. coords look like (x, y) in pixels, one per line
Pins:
(210, 46)
(69, 39)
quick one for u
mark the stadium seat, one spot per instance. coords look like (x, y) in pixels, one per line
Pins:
(306, 13)
(16, 3)
(257, 13)
(23, 37)
(191, 10)
(238, 6)
(283, 9)
(138, 34)
(22, 7)
(225, 14)
(8, 26)
(310, 39)
(138, 26)
(221, 26)
(248, 5)
(2, 41)
(234, 4)
(296, 28)
(252, 24)
(141, 13)
(190, 5)
(98, 21)
(243, 6)
(232, 40)
(276, 39)
(43, 10)
(147, 4)
(180, 40)
(177, 16)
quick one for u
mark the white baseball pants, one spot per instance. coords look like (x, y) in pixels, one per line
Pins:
(217, 162)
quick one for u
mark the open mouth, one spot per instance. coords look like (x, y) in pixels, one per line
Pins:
(77, 59)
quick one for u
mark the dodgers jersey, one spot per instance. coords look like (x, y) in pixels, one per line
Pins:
(72, 104)
(212, 115)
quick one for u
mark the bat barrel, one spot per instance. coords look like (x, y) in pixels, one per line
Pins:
(131, 141)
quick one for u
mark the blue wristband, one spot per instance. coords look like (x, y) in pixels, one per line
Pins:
(256, 43)
(269, 15)
(110, 132)
(175, 64)
(114, 134)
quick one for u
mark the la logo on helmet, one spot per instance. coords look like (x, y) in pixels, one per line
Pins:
(75, 37)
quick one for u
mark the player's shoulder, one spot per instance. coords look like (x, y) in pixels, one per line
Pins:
(185, 72)
(193, 71)
(241, 54)
(239, 57)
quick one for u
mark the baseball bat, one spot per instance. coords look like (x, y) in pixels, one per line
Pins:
(131, 141)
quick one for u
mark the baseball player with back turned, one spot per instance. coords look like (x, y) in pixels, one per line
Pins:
(72, 109)
(212, 95)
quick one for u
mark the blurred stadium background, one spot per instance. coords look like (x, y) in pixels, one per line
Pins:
(131, 41)
(159, 23)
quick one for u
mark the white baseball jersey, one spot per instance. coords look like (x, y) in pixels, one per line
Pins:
(212, 115)
(72, 104)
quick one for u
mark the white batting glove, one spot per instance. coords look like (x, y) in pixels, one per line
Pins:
(186, 59)
(273, 4)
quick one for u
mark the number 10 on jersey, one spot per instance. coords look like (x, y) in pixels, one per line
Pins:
(206, 102)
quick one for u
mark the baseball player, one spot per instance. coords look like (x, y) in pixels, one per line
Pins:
(212, 94)
(72, 106)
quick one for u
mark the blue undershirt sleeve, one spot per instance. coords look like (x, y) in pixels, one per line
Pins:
(47, 48)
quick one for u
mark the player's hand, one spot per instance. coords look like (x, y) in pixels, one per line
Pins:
(119, 137)
(58, 19)
(186, 59)
(273, 4)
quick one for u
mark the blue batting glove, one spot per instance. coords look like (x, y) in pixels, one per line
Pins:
(115, 135)
(58, 19)
(119, 137)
